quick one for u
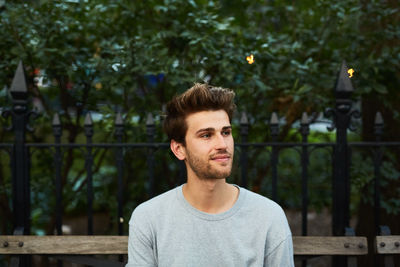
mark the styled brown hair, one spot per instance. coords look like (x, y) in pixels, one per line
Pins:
(201, 97)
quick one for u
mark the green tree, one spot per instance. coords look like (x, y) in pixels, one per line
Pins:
(132, 56)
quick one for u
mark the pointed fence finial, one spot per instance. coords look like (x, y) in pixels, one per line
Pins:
(378, 125)
(88, 120)
(149, 120)
(305, 124)
(243, 119)
(88, 124)
(274, 119)
(343, 87)
(56, 120)
(163, 113)
(19, 90)
(56, 125)
(274, 124)
(304, 119)
(119, 125)
(150, 127)
(378, 119)
(118, 120)
(244, 126)
(19, 86)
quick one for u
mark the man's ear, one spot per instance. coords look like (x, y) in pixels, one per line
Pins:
(178, 149)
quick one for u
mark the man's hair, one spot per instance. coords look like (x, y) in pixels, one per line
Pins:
(201, 97)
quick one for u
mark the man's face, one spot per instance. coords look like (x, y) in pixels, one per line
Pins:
(209, 148)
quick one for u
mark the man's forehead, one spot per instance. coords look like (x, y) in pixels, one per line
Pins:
(207, 120)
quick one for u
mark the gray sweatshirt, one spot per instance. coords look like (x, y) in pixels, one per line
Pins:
(167, 231)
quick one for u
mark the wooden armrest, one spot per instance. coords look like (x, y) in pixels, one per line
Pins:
(63, 244)
(330, 245)
(389, 244)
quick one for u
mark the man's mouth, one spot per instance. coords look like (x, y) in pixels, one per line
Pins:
(221, 158)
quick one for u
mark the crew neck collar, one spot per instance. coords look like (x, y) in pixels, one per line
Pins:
(209, 216)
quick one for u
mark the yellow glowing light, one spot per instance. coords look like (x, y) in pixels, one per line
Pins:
(250, 59)
(350, 72)
(98, 86)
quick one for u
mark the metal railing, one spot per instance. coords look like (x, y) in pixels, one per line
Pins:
(342, 113)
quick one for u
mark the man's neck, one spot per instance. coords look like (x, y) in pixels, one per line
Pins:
(210, 195)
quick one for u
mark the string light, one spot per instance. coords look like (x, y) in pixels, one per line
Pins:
(250, 59)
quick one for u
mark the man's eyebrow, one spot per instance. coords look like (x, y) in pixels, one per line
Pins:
(210, 129)
(227, 127)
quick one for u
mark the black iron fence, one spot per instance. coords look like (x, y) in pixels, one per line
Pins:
(20, 155)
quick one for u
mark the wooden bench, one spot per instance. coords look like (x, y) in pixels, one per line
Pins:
(330, 245)
(60, 246)
(387, 246)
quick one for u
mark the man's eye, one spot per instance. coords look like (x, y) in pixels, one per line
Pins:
(205, 136)
(226, 133)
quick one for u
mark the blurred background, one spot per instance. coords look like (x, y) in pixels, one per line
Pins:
(130, 57)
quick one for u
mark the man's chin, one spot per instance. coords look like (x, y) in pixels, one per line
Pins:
(219, 175)
(214, 178)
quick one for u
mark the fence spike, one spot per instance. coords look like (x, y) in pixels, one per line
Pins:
(378, 119)
(88, 120)
(243, 119)
(56, 120)
(343, 87)
(244, 126)
(274, 125)
(118, 120)
(149, 120)
(304, 119)
(304, 125)
(274, 119)
(378, 125)
(19, 87)
(119, 126)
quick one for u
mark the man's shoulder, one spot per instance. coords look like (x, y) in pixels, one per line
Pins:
(260, 200)
(268, 215)
(263, 206)
(155, 205)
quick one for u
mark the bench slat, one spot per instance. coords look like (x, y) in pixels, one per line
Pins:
(90, 245)
(387, 244)
(64, 245)
(330, 245)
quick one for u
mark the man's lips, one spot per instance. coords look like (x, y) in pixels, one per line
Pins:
(221, 158)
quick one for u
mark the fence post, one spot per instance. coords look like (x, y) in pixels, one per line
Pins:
(20, 182)
(274, 130)
(341, 178)
(305, 131)
(342, 114)
(119, 132)
(150, 131)
(378, 131)
(57, 132)
(244, 132)
(20, 158)
(88, 126)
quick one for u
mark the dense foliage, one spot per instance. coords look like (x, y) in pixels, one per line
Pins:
(132, 56)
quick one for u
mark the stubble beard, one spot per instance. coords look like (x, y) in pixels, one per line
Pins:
(204, 170)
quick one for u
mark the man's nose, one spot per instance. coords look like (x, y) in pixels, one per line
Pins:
(221, 142)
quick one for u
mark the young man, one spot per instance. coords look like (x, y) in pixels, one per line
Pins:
(207, 222)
